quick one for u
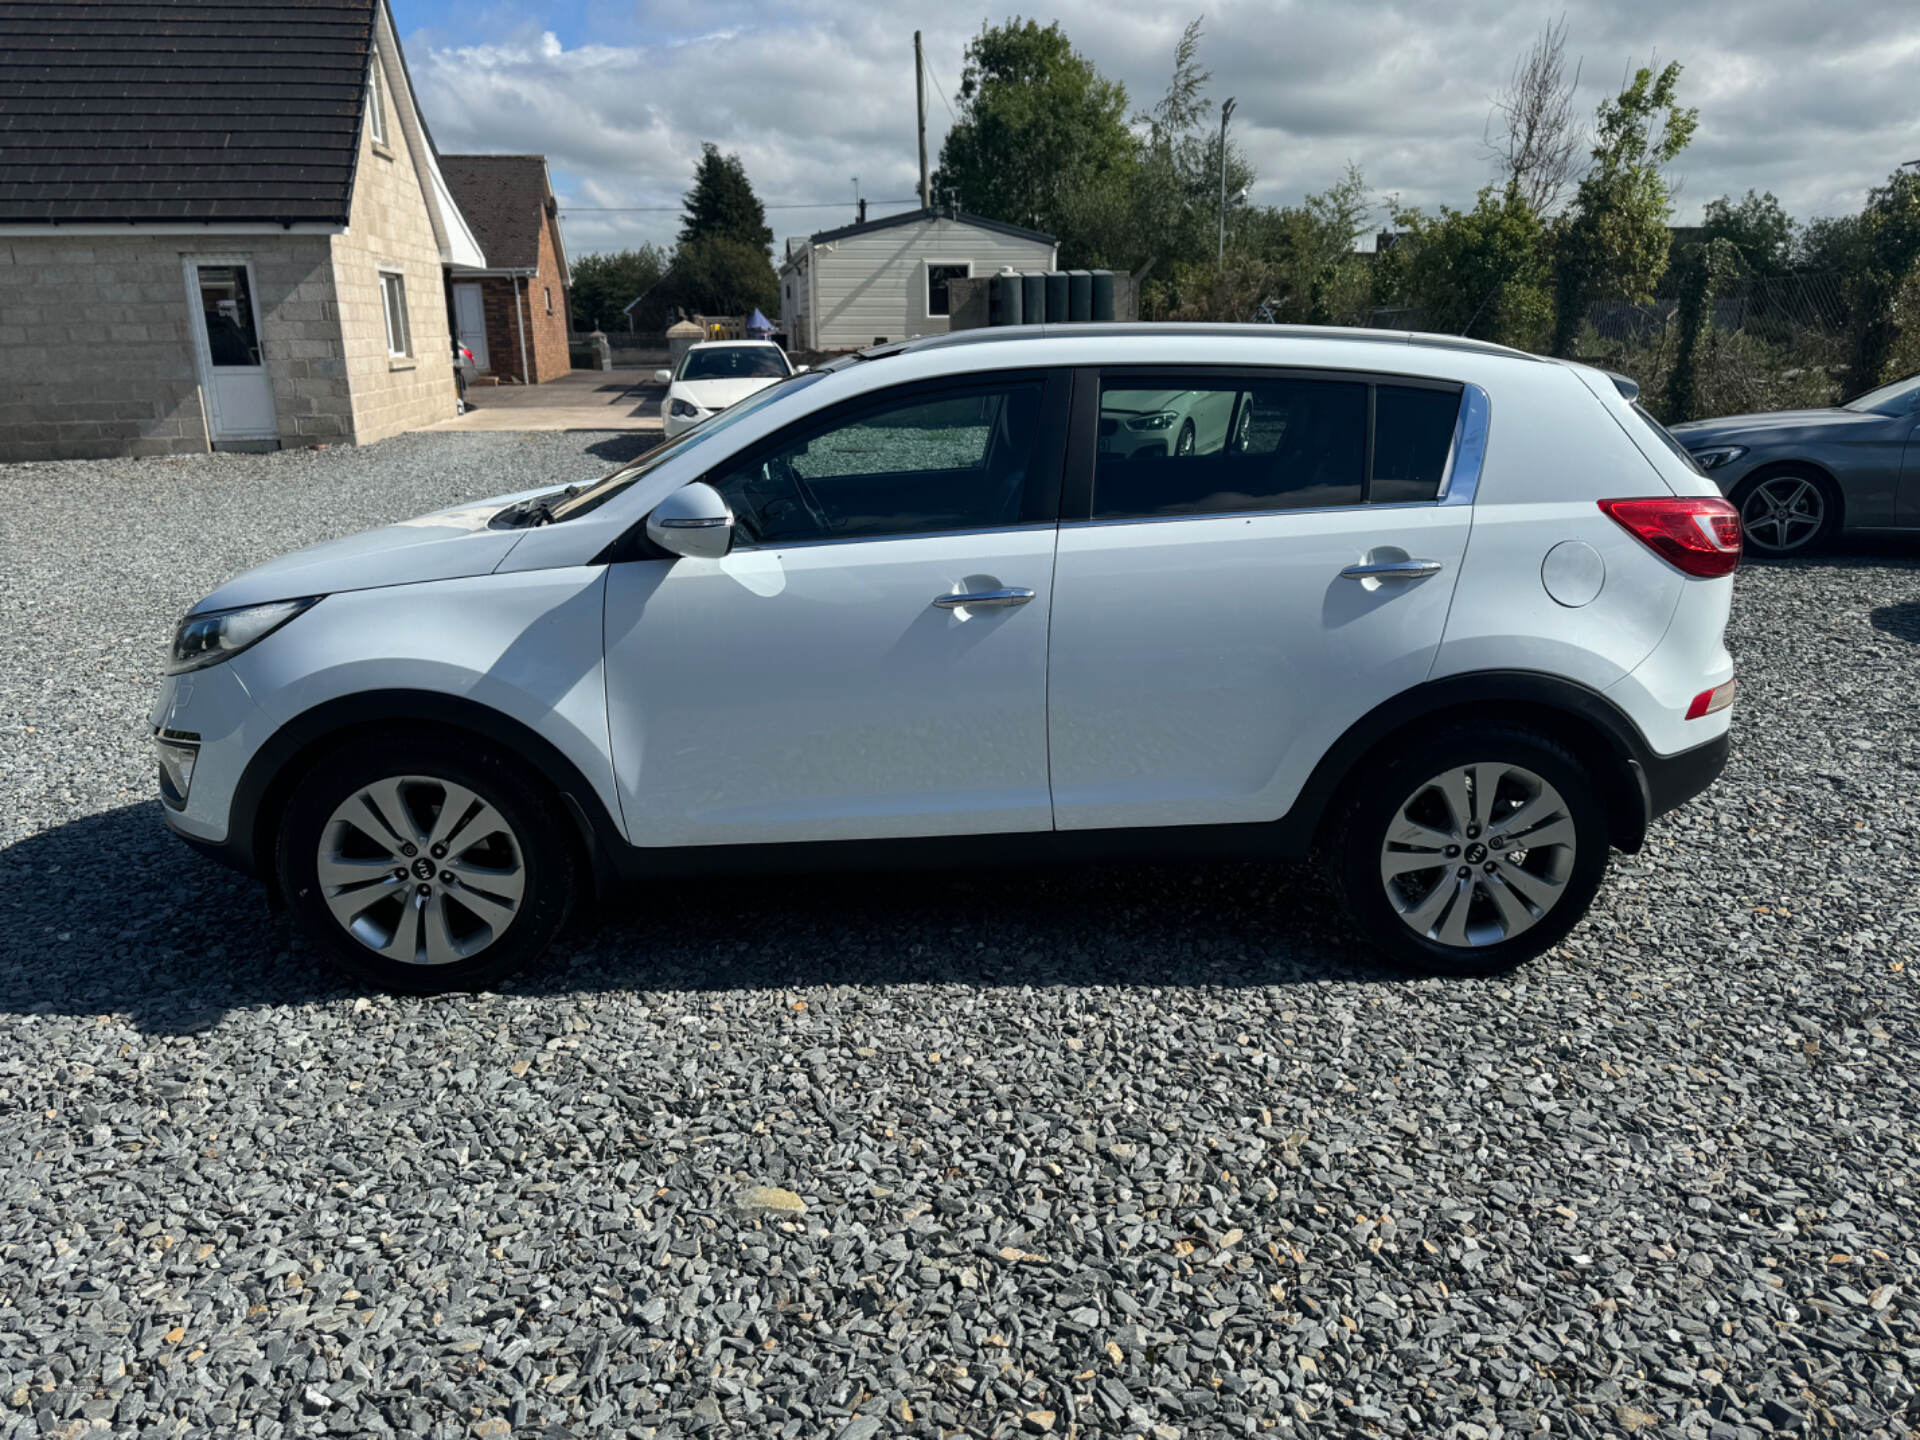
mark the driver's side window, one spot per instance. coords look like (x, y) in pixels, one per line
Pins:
(953, 460)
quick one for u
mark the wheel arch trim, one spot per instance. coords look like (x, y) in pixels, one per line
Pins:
(270, 775)
(1595, 726)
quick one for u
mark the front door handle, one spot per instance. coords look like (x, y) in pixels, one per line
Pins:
(1393, 570)
(985, 599)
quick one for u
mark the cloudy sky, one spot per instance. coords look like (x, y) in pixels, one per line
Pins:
(1812, 101)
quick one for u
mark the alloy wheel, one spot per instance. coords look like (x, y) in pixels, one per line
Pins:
(420, 870)
(1783, 513)
(1478, 854)
(1183, 442)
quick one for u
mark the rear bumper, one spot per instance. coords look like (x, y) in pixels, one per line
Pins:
(1668, 781)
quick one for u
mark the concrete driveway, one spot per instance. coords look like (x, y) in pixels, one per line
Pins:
(579, 400)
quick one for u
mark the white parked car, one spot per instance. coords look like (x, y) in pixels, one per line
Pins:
(1449, 615)
(715, 375)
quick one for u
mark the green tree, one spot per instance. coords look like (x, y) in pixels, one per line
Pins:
(1175, 215)
(1616, 240)
(1310, 272)
(604, 284)
(1482, 272)
(1041, 140)
(1707, 270)
(1756, 227)
(721, 275)
(722, 204)
(1889, 240)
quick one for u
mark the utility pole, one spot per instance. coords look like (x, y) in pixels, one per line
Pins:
(920, 95)
(1226, 112)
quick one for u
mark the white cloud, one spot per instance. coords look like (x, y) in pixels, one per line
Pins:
(1810, 102)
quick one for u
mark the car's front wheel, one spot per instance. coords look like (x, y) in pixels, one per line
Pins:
(1472, 851)
(425, 863)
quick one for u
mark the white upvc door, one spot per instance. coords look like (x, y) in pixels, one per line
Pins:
(470, 313)
(227, 348)
(823, 692)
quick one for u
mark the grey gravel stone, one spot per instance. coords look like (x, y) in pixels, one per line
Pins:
(1153, 1149)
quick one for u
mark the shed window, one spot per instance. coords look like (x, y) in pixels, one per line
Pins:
(393, 298)
(377, 104)
(937, 278)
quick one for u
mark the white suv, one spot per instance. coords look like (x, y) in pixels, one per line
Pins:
(1446, 613)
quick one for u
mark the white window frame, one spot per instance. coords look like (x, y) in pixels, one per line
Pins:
(405, 321)
(926, 285)
(377, 104)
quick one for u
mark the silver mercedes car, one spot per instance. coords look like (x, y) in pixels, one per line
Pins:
(1803, 476)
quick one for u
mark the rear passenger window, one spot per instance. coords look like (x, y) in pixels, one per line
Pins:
(1412, 437)
(1204, 445)
(1176, 447)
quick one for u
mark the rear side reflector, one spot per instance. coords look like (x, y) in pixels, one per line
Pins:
(1700, 535)
(1711, 702)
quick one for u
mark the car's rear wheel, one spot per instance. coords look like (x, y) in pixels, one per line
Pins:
(422, 864)
(1787, 513)
(1472, 851)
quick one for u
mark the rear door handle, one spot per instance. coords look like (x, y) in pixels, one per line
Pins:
(985, 599)
(1393, 570)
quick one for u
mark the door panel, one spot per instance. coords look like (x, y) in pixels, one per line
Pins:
(470, 313)
(1206, 646)
(816, 692)
(1200, 668)
(822, 682)
(233, 372)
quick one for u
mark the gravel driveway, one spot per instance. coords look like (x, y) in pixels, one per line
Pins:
(1094, 1152)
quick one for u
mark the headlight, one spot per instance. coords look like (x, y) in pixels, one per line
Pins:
(204, 640)
(1719, 455)
(1159, 421)
(686, 409)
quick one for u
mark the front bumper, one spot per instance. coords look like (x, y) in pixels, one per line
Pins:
(213, 705)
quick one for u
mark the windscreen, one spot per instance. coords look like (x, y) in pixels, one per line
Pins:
(733, 362)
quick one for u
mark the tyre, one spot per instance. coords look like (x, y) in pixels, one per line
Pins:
(1788, 512)
(423, 864)
(1183, 444)
(1470, 851)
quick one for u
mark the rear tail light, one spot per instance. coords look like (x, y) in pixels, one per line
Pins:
(1700, 535)
(1711, 702)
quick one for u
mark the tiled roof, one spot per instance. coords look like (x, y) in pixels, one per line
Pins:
(181, 109)
(504, 199)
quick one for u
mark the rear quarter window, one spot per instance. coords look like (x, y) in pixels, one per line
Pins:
(1660, 432)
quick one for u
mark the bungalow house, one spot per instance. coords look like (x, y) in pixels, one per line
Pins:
(887, 279)
(221, 227)
(513, 314)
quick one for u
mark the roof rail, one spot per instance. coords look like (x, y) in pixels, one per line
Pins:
(1128, 328)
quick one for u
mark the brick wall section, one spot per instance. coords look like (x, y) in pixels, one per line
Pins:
(546, 335)
(389, 229)
(97, 343)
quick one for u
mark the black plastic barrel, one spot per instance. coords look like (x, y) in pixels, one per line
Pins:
(1003, 300)
(1079, 295)
(1102, 295)
(1056, 297)
(1033, 297)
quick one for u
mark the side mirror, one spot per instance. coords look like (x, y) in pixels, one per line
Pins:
(800, 369)
(663, 377)
(693, 521)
